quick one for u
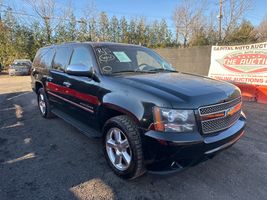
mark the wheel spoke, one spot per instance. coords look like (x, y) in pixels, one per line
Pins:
(126, 157)
(117, 135)
(125, 143)
(118, 159)
(111, 143)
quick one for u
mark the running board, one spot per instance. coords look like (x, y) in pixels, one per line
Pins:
(85, 129)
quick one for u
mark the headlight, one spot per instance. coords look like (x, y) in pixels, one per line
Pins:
(170, 120)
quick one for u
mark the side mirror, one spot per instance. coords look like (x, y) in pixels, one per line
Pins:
(81, 70)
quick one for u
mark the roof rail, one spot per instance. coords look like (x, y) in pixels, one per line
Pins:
(70, 42)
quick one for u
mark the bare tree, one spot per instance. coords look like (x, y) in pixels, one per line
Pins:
(90, 14)
(262, 30)
(233, 13)
(45, 9)
(188, 17)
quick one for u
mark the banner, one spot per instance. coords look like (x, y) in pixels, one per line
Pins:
(240, 64)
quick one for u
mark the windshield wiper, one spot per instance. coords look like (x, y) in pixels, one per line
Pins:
(135, 71)
(161, 70)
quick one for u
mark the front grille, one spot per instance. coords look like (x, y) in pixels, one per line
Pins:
(220, 123)
(207, 110)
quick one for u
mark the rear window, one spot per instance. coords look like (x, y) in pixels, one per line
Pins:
(62, 58)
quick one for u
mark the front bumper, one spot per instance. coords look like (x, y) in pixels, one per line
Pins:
(169, 152)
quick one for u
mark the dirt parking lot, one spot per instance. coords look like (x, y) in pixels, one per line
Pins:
(49, 159)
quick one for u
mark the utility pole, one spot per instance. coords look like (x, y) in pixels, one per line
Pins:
(220, 21)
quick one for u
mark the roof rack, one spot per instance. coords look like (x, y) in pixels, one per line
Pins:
(71, 42)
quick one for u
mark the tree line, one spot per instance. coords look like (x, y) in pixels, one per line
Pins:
(192, 28)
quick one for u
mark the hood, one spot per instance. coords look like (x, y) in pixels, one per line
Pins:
(184, 90)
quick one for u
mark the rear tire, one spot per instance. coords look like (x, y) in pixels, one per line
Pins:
(122, 147)
(43, 104)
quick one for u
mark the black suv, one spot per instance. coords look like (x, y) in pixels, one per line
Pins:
(151, 117)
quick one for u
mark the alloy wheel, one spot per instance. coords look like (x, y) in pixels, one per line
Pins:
(118, 149)
(42, 104)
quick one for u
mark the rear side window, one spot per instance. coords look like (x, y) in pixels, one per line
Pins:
(47, 57)
(62, 58)
(81, 56)
(44, 58)
(37, 58)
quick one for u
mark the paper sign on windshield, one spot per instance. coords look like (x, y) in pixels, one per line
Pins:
(122, 57)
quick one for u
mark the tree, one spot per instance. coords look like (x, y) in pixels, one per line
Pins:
(123, 30)
(71, 28)
(262, 31)
(245, 33)
(233, 12)
(114, 29)
(187, 19)
(45, 10)
(89, 30)
(60, 32)
(82, 33)
(104, 27)
(132, 34)
(153, 34)
(165, 37)
(199, 38)
(141, 36)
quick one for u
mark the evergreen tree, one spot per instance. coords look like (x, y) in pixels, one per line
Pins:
(141, 32)
(114, 29)
(123, 30)
(61, 32)
(103, 27)
(132, 34)
(71, 34)
(82, 34)
(93, 31)
(243, 34)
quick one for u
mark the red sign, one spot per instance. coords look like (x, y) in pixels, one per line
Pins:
(246, 62)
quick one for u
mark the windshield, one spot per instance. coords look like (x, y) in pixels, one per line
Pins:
(119, 59)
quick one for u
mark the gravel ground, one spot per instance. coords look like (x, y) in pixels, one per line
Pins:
(49, 159)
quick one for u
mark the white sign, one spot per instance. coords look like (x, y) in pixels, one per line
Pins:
(242, 64)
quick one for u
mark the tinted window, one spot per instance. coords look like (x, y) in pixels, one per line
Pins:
(61, 59)
(81, 55)
(37, 58)
(145, 59)
(126, 58)
(44, 58)
(47, 57)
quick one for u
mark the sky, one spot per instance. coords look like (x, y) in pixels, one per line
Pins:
(150, 9)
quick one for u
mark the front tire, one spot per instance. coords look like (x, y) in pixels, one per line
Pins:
(122, 147)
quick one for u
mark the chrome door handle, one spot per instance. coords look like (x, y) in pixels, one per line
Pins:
(49, 79)
(67, 84)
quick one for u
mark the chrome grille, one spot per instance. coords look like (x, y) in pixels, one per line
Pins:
(207, 110)
(220, 123)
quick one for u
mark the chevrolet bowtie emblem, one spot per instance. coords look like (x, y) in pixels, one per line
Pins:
(233, 110)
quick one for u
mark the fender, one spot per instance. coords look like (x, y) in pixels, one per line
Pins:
(39, 82)
(127, 105)
(121, 110)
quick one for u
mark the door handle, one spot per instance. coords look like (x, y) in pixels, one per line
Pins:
(49, 79)
(67, 84)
